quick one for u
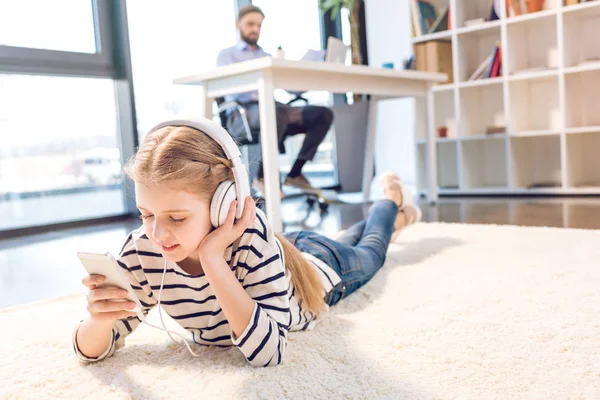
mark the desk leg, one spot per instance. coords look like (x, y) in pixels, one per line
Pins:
(268, 139)
(370, 148)
(432, 183)
(206, 104)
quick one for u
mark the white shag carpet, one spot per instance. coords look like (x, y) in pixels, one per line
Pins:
(457, 312)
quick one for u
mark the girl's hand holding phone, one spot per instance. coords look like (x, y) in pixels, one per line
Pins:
(106, 304)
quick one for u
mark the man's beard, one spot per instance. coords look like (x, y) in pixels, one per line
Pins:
(251, 42)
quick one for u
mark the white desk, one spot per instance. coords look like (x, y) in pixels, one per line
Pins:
(266, 74)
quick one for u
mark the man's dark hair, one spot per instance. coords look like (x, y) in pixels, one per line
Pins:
(249, 9)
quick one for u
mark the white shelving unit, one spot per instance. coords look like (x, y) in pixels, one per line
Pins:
(546, 99)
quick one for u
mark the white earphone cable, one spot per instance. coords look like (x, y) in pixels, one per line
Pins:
(164, 328)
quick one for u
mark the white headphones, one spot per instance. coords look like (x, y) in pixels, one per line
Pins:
(227, 191)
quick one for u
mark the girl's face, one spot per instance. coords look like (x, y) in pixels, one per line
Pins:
(177, 221)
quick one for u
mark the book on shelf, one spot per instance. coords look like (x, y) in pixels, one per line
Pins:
(495, 13)
(488, 68)
(441, 23)
(478, 74)
(426, 19)
(495, 70)
(514, 8)
(428, 15)
(416, 17)
(491, 67)
(573, 2)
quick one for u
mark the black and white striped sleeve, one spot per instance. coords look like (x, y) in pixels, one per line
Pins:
(264, 340)
(129, 261)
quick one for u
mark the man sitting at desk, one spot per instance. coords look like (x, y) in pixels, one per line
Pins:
(314, 121)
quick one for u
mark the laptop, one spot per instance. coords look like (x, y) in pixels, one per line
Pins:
(336, 52)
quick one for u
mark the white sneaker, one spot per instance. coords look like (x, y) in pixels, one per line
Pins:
(259, 186)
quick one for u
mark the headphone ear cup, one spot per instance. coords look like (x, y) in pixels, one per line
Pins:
(221, 202)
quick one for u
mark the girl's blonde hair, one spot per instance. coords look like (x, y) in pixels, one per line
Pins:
(190, 160)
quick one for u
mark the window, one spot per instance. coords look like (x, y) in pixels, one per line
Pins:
(170, 40)
(66, 25)
(60, 158)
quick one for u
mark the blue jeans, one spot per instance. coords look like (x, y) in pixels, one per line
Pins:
(356, 255)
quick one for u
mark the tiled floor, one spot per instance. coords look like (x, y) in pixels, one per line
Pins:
(45, 266)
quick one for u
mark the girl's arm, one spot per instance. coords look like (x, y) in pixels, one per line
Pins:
(95, 340)
(236, 304)
(254, 298)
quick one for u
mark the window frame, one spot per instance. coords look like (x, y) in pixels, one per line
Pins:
(25, 60)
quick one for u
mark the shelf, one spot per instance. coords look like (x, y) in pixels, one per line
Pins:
(536, 161)
(444, 35)
(579, 190)
(479, 29)
(442, 190)
(447, 140)
(481, 107)
(582, 159)
(495, 136)
(444, 87)
(546, 132)
(581, 91)
(535, 108)
(546, 99)
(585, 67)
(584, 189)
(533, 74)
(481, 82)
(590, 6)
(583, 129)
(476, 190)
(532, 16)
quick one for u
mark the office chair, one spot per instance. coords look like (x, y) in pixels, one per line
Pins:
(251, 137)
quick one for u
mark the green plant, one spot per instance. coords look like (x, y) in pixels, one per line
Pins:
(335, 5)
(353, 7)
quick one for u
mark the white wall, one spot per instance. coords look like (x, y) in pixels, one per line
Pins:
(388, 33)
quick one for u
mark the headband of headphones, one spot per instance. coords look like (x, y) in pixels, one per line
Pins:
(219, 135)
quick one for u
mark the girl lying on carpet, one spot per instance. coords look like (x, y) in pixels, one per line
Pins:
(240, 284)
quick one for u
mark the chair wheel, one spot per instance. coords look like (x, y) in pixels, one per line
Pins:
(310, 201)
(323, 205)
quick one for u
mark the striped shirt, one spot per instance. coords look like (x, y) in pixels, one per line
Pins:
(257, 261)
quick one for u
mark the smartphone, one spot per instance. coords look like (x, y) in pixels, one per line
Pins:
(106, 265)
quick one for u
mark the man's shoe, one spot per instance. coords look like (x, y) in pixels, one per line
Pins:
(300, 182)
(259, 186)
